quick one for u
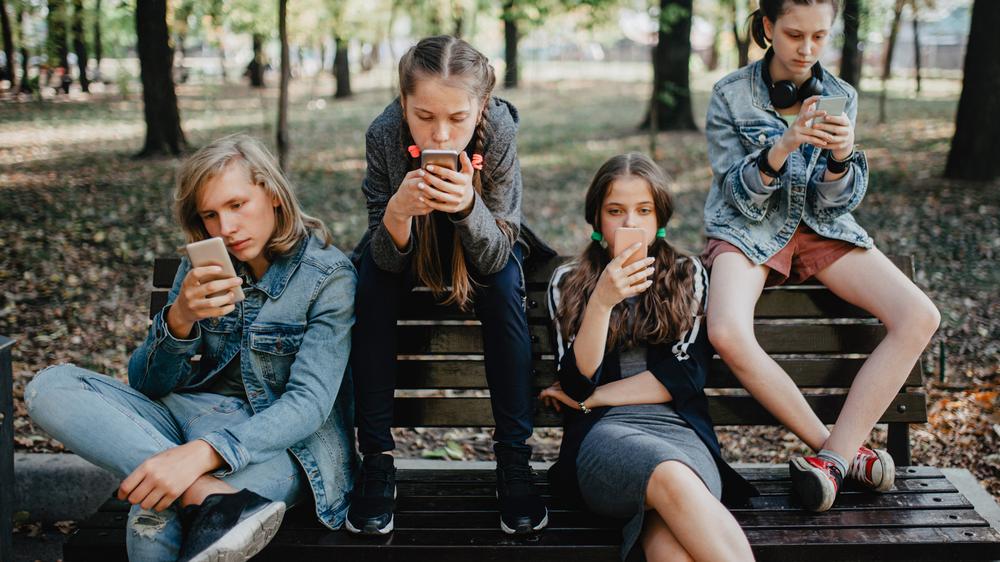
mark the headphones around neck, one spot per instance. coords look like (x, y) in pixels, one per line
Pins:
(784, 93)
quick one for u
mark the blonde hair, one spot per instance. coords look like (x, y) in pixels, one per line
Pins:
(291, 224)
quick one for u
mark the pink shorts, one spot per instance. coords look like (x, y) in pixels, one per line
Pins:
(806, 254)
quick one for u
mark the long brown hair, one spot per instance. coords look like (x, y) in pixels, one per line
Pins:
(291, 224)
(665, 310)
(453, 60)
(773, 9)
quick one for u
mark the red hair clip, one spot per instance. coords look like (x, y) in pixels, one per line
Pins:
(477, 161)
(414, 150)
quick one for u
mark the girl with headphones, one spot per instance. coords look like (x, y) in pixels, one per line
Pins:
(786, 177)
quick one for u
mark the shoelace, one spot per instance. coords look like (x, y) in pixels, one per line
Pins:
(859, 468)
(375, 476)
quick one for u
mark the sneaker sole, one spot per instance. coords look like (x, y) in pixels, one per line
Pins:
(247, 538)
(541, 525)
(377, 532)
(888, 471)
(815, 492)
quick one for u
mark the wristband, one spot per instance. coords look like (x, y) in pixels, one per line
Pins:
(838, 166)
(765, 167)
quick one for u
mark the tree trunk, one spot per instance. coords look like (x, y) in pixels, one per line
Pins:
(57, 48)
(887, 63)
(156, 63)
(916, 43)
(850, 55)
(341, 68)
(8, 44)
(976, 144)
(80, 45)
(742, 41)
(510, 37)
(255, 70)
(670, 105)
(98, 46)
(282, 140)
(22, 22)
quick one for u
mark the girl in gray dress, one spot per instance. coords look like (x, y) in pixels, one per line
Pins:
(639, 444)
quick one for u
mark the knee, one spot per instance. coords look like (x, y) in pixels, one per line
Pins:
(46, 383)
(918, 321)
(728, 338)
(668, 482)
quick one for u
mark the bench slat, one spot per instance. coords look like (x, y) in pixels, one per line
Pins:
(417, 339)
(813, 372)
(724, 410)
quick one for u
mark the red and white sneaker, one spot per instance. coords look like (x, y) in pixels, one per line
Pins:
(815, 481)
(874, 469)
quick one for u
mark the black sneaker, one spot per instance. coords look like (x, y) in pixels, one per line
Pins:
(373, 499)
(229, 527)
(521, 508)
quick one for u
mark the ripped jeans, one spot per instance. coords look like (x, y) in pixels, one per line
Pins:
(117, 428)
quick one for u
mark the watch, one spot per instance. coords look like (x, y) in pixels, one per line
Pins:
(764, 166)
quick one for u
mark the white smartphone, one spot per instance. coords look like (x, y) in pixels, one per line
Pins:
(832, 105)
(212, 251)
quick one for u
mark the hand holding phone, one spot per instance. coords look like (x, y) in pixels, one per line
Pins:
(626, 237)
(444, 158)
(831, 105)
(212, 251)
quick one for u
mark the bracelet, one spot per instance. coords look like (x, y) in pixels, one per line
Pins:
(838, 166)
(764, 166)
(583, 408)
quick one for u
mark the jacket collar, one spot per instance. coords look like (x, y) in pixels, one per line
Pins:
(276, 277)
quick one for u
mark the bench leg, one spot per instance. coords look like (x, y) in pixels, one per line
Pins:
(899, 443)
(6, 450)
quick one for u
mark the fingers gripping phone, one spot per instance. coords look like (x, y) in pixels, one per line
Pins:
(212, 251)
(832, 105)
(626, 237)
(444, 158)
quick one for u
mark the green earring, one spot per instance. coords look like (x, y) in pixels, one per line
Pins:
(661, 233)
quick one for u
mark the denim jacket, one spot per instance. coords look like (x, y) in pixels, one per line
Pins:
(760, 219)
(293, 336)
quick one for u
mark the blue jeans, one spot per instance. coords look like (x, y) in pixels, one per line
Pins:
(117, 428)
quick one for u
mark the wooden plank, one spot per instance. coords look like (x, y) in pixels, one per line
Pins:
(787, 338)
(724, 410)
(541, 272)
(6, 450)
(791, 302)
(921, 543)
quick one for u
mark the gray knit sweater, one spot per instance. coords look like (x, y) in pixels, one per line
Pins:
(486, 246)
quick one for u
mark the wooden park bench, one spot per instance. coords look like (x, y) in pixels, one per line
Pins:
(450, 514)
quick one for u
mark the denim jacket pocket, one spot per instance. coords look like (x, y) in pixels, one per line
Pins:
(275, 346)
(758, 133)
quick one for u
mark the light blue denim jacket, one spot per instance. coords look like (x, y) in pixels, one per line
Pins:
(293, 335)
(760, 219)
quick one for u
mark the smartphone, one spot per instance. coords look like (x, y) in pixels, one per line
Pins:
(212, 251)
(832, 105)
(625, 237)
(444, 158)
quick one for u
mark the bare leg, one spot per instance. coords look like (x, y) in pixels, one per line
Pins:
(732, 295)
(699, 522)
(204, 486)
(658, 543)
(866, 278)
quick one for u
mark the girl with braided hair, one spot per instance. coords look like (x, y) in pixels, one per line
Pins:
(458, 232)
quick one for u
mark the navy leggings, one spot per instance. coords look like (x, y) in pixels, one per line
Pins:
(499, 302)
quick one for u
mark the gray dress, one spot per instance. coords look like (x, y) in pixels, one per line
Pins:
(618, 456)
